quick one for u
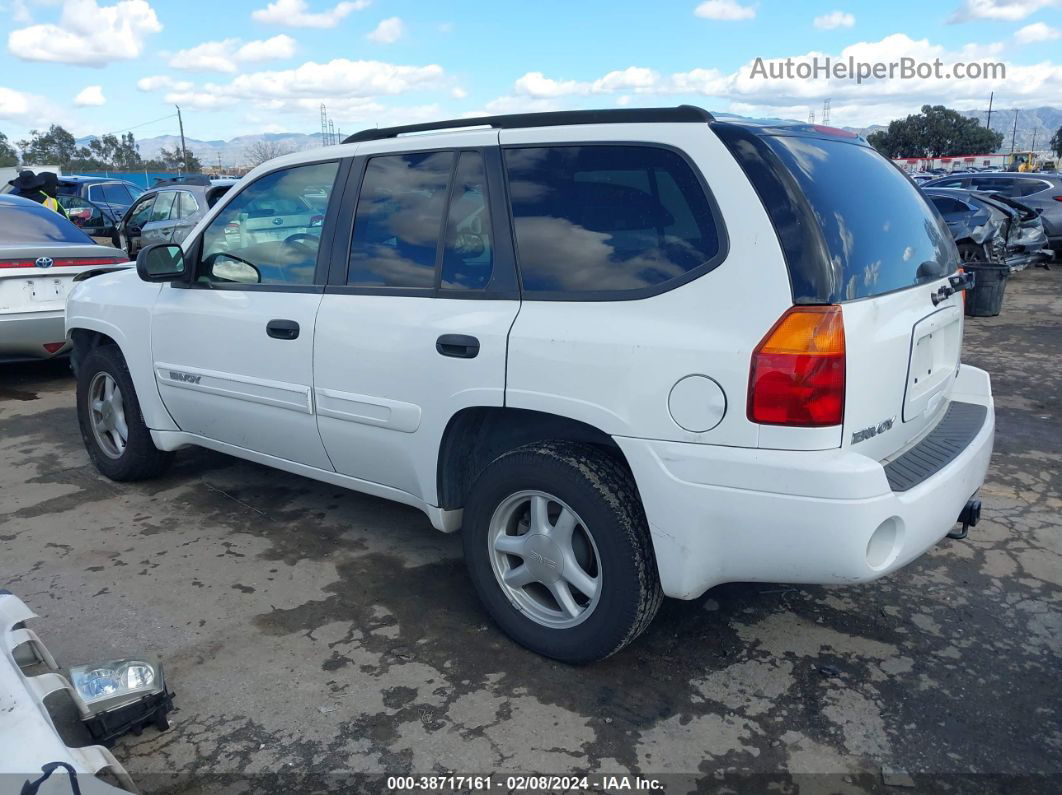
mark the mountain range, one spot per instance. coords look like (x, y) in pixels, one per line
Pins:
(1035, 127)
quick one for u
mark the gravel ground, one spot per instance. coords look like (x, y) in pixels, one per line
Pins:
(309, 631)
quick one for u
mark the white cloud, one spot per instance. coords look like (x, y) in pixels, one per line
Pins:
(388, 31)
(337, 78)
(156, 82)
(1037, 31)
(835, 19)
(793, 97)
(88, 34)
(90, 96)
(29, 110)
(633, 78)
(294, 13)
(281, 46)
(225, 55)
(342, 83)
(1001, 10)
(724, 10)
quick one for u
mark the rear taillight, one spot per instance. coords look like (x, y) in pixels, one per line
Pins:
(962, 271)
(52, 347)
(797, 372)
(1057, 198)
(64, 262)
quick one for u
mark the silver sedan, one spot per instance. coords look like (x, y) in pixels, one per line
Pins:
(42, 254)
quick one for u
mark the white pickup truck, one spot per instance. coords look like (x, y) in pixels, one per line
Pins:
(631, 353)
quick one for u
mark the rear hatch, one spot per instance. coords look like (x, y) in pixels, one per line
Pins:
(857, 232)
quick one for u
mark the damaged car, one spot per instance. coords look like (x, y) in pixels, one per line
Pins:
(992, 228)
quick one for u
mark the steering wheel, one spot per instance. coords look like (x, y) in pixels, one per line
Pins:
(298, 237)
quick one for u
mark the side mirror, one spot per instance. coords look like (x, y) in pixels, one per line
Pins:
(161, 262)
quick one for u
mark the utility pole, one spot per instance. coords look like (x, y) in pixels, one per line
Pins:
(1014, 132)
(826, 112)
(1033, 147)
(988, 123)
(184, 149)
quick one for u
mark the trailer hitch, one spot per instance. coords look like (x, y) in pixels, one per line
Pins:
(970, 516)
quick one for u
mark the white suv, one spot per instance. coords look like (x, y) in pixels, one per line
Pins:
(632, 353)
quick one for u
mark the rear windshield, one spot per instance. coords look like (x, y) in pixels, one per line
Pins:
(38, 224)
(855, 227)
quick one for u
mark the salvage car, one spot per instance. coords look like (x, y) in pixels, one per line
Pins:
(42, 255)
(992, 228)
(1038, 191)
(166, 214)
(630, 353)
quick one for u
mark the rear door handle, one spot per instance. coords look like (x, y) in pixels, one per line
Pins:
(459, 346)
(282, 329)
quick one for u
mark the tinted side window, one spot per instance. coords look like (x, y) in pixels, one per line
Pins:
(163, 205)
(185, 206)
(994, 185)
(606, 218)
(269, 234)
(948, 206)
(1027, 187)
(142, 212)
(398, 220)
(115, 192)
(468, 258)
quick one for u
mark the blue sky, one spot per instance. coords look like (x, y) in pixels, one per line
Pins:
(247, 66)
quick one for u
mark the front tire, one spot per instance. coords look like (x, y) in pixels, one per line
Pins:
(112, 427)
(558, 549)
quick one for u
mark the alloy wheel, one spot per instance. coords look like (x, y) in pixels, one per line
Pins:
(545, 559)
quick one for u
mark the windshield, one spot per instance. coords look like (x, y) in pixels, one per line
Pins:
(37, 224)
(850, 223)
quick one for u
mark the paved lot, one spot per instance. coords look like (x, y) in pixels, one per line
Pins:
(309, 629)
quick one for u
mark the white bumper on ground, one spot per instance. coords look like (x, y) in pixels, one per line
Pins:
(726, 514)
(28, 737)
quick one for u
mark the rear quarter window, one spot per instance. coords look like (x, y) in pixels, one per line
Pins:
(600, 221)
(851, 224)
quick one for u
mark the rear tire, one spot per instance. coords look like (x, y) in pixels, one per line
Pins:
(112, 427)
(558, 549)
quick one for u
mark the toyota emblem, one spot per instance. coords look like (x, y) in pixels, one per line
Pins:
(278, 221)
(44, 262)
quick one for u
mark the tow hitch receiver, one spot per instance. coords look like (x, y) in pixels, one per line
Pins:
(970, 516)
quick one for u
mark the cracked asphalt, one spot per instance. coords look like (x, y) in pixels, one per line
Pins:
(314, 635)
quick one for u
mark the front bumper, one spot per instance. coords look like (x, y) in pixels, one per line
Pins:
(28, 736)
(725, 514)
(23, 334)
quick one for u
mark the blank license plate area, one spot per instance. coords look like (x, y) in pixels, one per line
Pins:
(934, 356)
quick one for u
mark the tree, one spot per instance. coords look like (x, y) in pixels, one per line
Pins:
(171, 159)
(264, 150)
(54, 147)
(1056, 142)
(935, 132)
(8, 155)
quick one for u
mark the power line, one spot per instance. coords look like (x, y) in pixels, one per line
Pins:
(137, 126)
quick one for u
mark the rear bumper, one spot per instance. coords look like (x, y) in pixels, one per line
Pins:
(720, 514)
(23, 334)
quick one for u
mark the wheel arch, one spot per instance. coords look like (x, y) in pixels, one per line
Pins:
(477, 435)
(88, 333)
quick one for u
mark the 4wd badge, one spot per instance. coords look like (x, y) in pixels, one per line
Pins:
(872, 431)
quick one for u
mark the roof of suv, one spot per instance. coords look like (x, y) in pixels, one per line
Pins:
(680, 113)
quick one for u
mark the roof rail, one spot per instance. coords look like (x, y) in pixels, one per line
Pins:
(561, 118)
